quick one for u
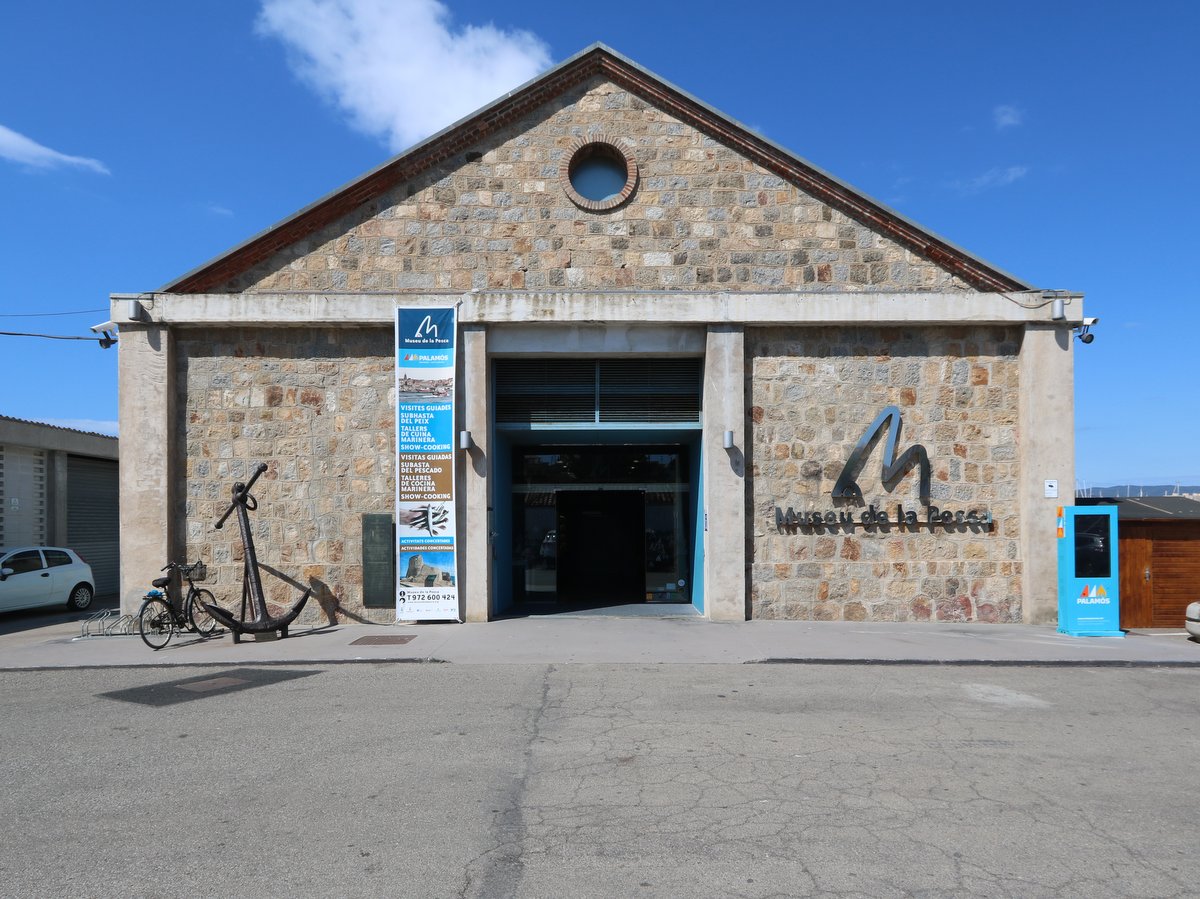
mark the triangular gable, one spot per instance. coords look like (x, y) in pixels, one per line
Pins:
(597, 60)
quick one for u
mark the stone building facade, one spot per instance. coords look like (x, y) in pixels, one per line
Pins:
(809, 308)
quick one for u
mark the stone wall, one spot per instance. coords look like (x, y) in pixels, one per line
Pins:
(811, 394)
(498, 218)
(317, 406)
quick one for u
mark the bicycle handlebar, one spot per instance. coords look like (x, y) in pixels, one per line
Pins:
(241, 492)
(179, 567)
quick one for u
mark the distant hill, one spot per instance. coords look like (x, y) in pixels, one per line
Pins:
(1142, 490)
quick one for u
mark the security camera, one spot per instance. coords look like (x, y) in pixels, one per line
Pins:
(1084, 331)
(105, 330)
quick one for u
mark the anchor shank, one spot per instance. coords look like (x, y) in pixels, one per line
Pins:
(252, 577)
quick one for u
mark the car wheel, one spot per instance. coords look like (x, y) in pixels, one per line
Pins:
(80, 597)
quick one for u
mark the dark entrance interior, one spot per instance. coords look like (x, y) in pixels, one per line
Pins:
(601, 546)
(597, 526)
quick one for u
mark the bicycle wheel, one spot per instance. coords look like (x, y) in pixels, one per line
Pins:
(202, 622)
(156, 623)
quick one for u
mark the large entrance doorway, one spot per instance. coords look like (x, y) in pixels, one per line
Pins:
(596, 467)
(596, 526)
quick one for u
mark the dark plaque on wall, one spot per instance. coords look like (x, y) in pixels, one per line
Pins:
(379, 561)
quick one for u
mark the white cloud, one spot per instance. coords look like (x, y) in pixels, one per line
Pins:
(1005, 116)
(217, 209)
(22, 150)
(397, 67)
(997, 177)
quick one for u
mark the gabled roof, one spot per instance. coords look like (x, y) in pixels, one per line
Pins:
(596, 60)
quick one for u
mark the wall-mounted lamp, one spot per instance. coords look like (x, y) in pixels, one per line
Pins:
(464, 440)
(1058, 309)
(728, 441)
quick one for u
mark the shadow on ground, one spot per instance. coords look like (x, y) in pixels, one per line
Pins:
(31, 619)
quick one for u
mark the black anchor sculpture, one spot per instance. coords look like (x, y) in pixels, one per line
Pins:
(252, 591)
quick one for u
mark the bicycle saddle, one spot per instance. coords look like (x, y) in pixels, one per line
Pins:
(161, 581)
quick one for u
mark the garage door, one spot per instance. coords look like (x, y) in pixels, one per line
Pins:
(93, 526)
(1160, 572)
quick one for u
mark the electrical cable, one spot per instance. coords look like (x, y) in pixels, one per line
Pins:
(1048, 297)
(47, 336)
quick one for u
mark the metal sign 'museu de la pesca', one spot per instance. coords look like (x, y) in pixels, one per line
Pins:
(893, 470)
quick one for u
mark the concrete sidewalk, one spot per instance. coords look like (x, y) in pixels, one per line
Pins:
(607, 640)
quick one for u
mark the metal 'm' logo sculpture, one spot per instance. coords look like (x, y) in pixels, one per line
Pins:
(893, 468)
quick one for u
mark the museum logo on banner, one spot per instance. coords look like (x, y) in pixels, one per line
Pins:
(426, 530)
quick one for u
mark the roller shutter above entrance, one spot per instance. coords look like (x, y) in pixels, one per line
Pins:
(598, 391)
(93, 524)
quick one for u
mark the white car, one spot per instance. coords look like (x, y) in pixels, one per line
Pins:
(32, 576)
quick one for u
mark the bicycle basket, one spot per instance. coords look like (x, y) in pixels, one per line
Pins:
(197, 572)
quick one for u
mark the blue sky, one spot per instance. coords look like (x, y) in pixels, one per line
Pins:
(1055, 140)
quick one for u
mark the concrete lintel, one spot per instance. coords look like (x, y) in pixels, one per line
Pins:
(582, 339)
(663, 307)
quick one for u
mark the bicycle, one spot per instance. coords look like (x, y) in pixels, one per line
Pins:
(158, 619)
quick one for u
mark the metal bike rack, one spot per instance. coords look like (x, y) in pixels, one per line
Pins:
(107, 623)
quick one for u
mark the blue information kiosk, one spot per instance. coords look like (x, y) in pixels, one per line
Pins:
(1088, 573)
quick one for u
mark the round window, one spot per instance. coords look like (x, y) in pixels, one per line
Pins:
(598, 174)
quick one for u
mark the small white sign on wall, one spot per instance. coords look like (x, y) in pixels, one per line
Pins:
(1051, 489)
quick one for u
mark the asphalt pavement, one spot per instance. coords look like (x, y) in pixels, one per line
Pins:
(544, 781)
(597, 757)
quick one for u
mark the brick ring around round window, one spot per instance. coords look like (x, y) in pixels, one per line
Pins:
(593, 165)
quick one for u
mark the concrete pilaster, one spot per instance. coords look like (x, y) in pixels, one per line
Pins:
(723, 516)
(56, 498)
(474, 526)
(146, 412)
(1047, 443)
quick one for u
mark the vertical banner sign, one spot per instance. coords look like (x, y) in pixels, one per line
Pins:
(426, 568)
